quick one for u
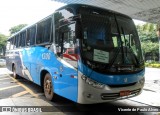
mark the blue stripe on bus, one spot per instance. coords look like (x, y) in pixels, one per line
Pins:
(110, 79)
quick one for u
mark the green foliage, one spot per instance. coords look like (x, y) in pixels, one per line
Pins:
(148, 46)
(153, 64)
(3, 40)
(17, 28)
(149, 40)
(147, 32)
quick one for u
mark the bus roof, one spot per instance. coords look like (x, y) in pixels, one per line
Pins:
(91, 6)
(69, 5)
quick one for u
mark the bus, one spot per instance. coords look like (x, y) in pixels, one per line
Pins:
(80, 52)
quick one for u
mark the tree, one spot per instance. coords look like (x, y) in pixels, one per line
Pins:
(17, 28)
(158, 34)
(147, 32)
(3, 42)
(150, 50)
(149, 39)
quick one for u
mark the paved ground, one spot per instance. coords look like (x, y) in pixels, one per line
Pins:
(22, 93)
(151, 90)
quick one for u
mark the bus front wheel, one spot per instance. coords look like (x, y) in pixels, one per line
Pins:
(48, 87)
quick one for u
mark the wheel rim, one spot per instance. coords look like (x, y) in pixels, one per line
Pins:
(48, 87)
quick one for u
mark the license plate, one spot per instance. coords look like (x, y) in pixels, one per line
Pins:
(124, 93)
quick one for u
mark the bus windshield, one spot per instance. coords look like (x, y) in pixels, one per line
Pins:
(111, 41)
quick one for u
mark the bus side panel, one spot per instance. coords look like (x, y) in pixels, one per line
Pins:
(34, 57)
(27, 61)
(14, 58)
(31, 65)
(65, 82)
(18, 62)
(9, 60)
(64, 78)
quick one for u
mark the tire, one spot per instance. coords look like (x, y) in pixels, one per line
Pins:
(48, 87)
(14, 72)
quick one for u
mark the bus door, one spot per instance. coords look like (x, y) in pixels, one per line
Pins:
(67, 52)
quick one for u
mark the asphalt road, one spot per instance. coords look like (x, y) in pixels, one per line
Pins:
(23, 93)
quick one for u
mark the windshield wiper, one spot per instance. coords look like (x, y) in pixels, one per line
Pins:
(114, 58)
(119, 36)
(124, 41)
(121, 44)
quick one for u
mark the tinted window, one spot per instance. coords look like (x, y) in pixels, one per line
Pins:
(62, 14)
(22, 39)
(31, 33)
(65, 42)
(43, 31)
(17, 41)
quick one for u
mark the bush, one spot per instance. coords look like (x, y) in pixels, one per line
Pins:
(153, 64)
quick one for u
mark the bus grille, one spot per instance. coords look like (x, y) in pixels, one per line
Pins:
(111, 96)
(124, 85)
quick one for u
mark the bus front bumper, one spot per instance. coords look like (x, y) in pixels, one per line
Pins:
(89, 93)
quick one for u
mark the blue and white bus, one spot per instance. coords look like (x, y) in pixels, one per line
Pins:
(83, 53)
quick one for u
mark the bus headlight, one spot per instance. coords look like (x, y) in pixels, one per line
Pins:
(92, 82)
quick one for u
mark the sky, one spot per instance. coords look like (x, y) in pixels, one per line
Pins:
(15, 12)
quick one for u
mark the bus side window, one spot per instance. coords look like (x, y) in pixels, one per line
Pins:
(43, 31)
(60, 37)
(22, 38)
(17, 41)
(67, 43)
(31, 33)
(27, 39)
(59, 43)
